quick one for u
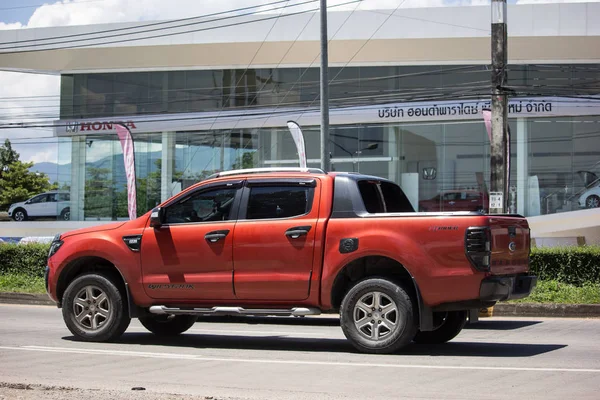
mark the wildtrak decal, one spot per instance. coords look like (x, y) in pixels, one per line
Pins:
(158, 286)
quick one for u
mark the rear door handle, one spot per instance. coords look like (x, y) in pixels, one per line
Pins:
(297, 231)
(215, 236)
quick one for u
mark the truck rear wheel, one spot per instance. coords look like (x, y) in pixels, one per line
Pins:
(94, 309)
(449, 324)
(377, 316)
(168, 325)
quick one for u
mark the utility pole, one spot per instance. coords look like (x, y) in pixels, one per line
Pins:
(499, 157)
(325, 158)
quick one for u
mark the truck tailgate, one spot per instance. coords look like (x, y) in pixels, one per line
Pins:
(510, 245)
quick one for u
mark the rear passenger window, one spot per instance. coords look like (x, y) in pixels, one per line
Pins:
(395, 199)
(278, 202)
(381, 197)
(370, 195)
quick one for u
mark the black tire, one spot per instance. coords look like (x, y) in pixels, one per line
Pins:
(592, 201)
(111, 325)
(449, 325)
(19, 217)
(65, 214)
(395, 338)
(164, 325)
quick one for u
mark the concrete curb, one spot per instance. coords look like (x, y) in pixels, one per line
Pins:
(547, 310)
(25, 298)
(500, 310)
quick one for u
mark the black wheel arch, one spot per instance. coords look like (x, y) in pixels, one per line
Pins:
(381, 267)
(91, 264)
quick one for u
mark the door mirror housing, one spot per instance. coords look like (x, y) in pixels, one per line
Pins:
(156, 217)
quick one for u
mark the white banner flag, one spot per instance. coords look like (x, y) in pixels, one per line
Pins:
(129, 159)
(299, 140)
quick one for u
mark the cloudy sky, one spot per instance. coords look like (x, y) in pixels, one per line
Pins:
(42, 90)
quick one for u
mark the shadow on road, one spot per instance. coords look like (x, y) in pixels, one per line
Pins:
(283, 343)
(501, 325)
(310, 321)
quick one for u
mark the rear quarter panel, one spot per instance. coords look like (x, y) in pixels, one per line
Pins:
(431, 248)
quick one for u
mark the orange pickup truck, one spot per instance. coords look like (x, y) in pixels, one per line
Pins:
(291, 242)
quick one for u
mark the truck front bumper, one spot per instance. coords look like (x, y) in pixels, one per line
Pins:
(501, 288)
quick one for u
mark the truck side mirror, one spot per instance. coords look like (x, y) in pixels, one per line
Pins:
(156, 217)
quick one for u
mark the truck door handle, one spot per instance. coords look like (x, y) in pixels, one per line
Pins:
(215, 236)
(297, 231)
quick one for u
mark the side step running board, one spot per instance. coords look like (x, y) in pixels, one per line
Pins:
(296, 311)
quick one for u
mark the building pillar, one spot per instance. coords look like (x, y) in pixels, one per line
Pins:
(77, 195)
(522, 166)
(390, 135)
(275, 147)
(167, 165)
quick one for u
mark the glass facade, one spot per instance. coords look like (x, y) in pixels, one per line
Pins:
(441, 165)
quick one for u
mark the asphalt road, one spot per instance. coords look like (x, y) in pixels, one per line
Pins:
(499, 358)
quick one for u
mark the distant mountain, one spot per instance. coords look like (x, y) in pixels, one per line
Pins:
(54, 171)
(189, 160)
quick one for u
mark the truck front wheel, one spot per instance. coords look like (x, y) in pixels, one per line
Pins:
(94, 309)
(168, 325)
(449, 324)
(377, 316)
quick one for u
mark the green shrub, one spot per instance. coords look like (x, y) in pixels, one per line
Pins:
(574, 265)
(563, 293)
(29, 259)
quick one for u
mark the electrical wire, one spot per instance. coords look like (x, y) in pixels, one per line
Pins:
(145, 25)
(46, 4)
(172, 33)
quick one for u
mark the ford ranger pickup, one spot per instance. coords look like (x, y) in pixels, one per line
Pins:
(291, 242)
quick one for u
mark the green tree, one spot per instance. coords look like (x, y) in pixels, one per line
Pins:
(98, 193)
(7, 156)
(246, 160)
(18, 183)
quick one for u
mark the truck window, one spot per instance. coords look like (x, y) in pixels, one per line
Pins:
(202, 206)
(278, 202)
(380, 197)
(395, 199)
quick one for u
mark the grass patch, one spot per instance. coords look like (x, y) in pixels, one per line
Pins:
(545, 291)
(21, 283)
(563, 293)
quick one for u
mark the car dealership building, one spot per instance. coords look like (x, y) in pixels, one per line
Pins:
(407, 93)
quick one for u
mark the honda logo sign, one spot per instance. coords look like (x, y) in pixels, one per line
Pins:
(429, 173)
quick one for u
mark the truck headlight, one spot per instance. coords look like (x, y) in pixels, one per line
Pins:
(55, 245)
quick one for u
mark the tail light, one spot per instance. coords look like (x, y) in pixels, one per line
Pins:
(478, 247)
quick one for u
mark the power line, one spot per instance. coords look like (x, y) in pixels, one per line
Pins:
(428, 20)
(174, 21)
(474, 93)
(46, 4)
(241, 78)
(587, 83)
(171, 33)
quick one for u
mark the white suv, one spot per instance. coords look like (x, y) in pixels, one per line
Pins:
(45, 205)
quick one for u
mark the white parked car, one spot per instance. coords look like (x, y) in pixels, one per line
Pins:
(590, 198)
(45, 205)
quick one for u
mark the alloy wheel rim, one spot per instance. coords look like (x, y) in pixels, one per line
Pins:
(19, 216)
(92, 308)
(593, 202)
(375, 316)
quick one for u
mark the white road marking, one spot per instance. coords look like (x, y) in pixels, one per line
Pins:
(176, 356)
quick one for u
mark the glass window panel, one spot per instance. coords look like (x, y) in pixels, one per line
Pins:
(278, 202)
(177, 96)
(202, 206)
(343, 85)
